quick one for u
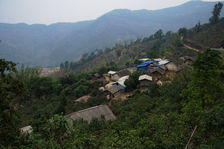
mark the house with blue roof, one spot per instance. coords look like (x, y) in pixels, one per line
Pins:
(143, 66)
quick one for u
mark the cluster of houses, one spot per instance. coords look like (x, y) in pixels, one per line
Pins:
(154, 70)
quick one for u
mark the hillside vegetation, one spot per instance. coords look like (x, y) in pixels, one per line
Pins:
(185, 112)
(168, 45)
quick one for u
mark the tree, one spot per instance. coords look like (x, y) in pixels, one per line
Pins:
(132, 82)
(41, 86)
(216, 13)
(10, 89)
(158, 34)
(182, 31)
(169, 33)
(222, 44)
(206, 87)
(197, 27)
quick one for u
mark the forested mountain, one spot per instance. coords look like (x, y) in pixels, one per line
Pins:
(49, 45)
(171, 45)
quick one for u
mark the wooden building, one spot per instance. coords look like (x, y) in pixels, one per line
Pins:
(145, 80)
(113, 91)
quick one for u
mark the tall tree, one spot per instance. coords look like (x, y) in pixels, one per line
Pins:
(158, 34)
(10, 88)
(182, 31)
(216, 13)
(206, 86)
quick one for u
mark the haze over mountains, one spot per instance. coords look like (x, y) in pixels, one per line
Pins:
(44, 45)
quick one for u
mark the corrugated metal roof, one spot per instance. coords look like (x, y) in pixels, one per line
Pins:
(122, 80)
(112, 72)
(145, 77)
(143, 59)
(163, 62)
(93, 112)
(145, 63)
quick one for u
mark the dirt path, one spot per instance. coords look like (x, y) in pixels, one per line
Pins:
(107, 78)
(191, 48)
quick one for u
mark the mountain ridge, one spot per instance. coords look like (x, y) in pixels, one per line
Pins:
(48, 45)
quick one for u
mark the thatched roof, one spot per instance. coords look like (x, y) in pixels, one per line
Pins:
(156, 69)
(93, 112)
(124, 72)
(107, 86)
(114, 89)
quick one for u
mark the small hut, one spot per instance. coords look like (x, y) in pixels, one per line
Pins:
(93, 112)
(145, 80)
(156, 72)
(113, 91)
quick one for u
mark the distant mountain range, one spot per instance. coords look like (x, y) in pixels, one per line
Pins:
(48, 45)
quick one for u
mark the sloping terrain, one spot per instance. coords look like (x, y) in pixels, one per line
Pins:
(169, 46)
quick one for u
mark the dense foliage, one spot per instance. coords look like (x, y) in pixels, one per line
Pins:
(164, 117)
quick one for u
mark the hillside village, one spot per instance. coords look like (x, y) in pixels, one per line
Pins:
(155, 70)
(164, 91)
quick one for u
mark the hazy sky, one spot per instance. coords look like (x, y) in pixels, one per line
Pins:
(51, 11)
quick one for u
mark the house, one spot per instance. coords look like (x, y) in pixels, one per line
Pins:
(82, 99)
(27, 129)
(93, 112)
(145, 80)
(143, 66)
(113, 91)
(171, 66)
(120, 82)
(124, 72)
(113, 75)
(109, 85)
(157, 72)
